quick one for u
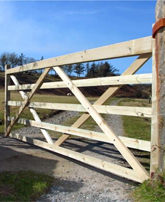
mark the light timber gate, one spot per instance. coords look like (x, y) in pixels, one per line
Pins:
(143, 48)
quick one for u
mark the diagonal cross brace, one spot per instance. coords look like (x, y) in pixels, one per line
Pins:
(135, 66)
(26, 101)
(34, 113)
(134, 163)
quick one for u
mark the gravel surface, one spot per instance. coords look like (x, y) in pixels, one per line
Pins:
(114, 121)
(59, 118)
(74, 181)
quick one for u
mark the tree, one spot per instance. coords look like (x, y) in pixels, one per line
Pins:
(22, 59)
(42, 58)
(79, 69)
(13, 59)
(70, 69)
(92, 71)
(29, 60)
(87, 68)
(107, 69)
(4, 59)
(101, 69)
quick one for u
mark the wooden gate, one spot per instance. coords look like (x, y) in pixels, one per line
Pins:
(143, 48)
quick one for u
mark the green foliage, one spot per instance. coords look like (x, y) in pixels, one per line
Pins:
(101, 69)
(68, 69)
(79, 69)
(152, 190)
(14, 60)
(23, 185)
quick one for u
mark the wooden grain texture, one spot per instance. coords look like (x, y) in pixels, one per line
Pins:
(129, 142)
(102, 109)
(129, 157)
(158, 141)
(33, 112)
(26, 101)
(104, 81)
(124, 49)
(134, 67)
(7, 98)
(155, 151)
(95, 162)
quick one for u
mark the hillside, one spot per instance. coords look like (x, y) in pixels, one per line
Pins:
(136, 91)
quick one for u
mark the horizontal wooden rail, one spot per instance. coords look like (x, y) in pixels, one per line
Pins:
(124, 49)
(98, 163)
(105, 81)
(103, 109)
(129, 142)
(27, 100)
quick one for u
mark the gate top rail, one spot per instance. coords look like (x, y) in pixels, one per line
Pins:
(125, 49)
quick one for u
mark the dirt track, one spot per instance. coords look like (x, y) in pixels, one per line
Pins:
(74, 181)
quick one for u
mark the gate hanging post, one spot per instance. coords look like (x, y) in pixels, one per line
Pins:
(158, 124)
(7, 98)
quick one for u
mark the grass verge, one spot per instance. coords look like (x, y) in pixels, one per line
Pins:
(136, 127)
(151, 190)
(23, 185)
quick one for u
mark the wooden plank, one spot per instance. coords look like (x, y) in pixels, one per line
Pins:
(155, 150)
(105, 81)
(129, 142)
(129, 157)
(7, 98)
(26, 101)
(158, 141)
(124, 49)
(33, 112)
(95, 162)
(134, 67)
(103, 109)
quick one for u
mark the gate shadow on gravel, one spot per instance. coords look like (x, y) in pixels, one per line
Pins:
(105, 151)
(98, 148)
(24, 160)
(99, 171)
(12, 160)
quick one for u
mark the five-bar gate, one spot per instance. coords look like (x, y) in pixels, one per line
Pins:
(143, 48)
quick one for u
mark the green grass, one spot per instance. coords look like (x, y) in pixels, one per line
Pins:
(151, 190)
(23, 185)
(90, 124)
(43, 113)
(136, 127)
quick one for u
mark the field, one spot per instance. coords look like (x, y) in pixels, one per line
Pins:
(135, 127)
(43, 113)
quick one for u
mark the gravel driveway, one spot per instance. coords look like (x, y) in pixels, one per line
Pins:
(74, 181)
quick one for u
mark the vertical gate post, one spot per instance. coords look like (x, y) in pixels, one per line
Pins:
(158, 137)
(7, 98)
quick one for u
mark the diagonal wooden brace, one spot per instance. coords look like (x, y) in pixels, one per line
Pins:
(135, 66)
(26, 101)
(33, 112)
(129, 157)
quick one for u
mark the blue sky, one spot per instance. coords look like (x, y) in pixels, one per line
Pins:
(54, 28)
